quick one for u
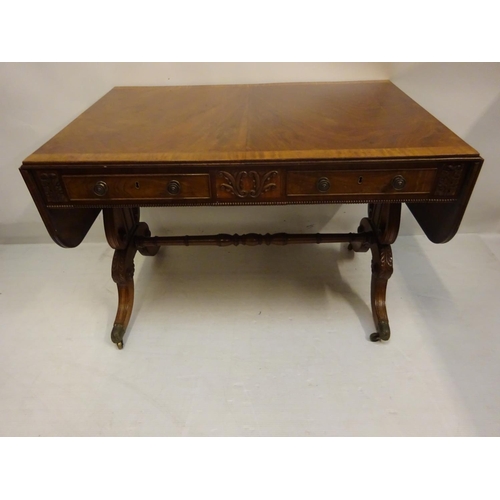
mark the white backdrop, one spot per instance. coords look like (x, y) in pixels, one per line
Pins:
(39, 99)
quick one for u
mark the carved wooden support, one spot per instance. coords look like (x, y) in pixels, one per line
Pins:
(381, 272)
(119, 225)
(386, 218)
(127, 236)
(122, 272)
(122, 226)
(383, 224)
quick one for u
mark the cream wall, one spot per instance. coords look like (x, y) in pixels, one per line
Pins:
(466, 98)
(39, 99)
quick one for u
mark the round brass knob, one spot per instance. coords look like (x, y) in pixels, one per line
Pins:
(398, 183)
(323, 185)
(174, 187)
(100, 188)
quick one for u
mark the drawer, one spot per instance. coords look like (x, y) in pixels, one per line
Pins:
(360, 182)
(137, 187)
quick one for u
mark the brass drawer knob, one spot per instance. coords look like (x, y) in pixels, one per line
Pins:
(398, 183)
(174, 187)
(100, 188)
(323, 185)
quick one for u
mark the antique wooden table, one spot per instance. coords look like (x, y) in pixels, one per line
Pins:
(354, 142)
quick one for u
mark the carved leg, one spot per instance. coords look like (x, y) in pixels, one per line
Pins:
(122, 272)
(383, 225)
(381, 272)
(122, 226)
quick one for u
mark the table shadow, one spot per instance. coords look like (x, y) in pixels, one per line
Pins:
(213, 273)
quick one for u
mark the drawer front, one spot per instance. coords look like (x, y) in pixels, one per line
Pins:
(137, 187)
(360, 182)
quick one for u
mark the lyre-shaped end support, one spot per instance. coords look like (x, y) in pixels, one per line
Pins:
(122, 227)
(381, 272)
(383, 224)
(122, 272)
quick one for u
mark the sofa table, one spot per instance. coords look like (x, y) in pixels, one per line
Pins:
(270, 144)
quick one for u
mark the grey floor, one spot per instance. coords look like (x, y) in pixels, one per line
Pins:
(263, 341)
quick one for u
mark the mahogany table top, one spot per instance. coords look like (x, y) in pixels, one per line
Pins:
(289, 121)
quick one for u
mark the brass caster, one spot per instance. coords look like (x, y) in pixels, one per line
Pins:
(384, 332)
(117, 335)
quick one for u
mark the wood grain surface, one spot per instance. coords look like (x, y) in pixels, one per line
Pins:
(290, 121)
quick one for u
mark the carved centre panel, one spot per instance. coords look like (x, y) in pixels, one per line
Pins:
(248, 184)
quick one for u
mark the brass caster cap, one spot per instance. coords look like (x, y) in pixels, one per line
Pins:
(119, 345)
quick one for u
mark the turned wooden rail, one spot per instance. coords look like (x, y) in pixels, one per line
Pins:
(251, 239)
